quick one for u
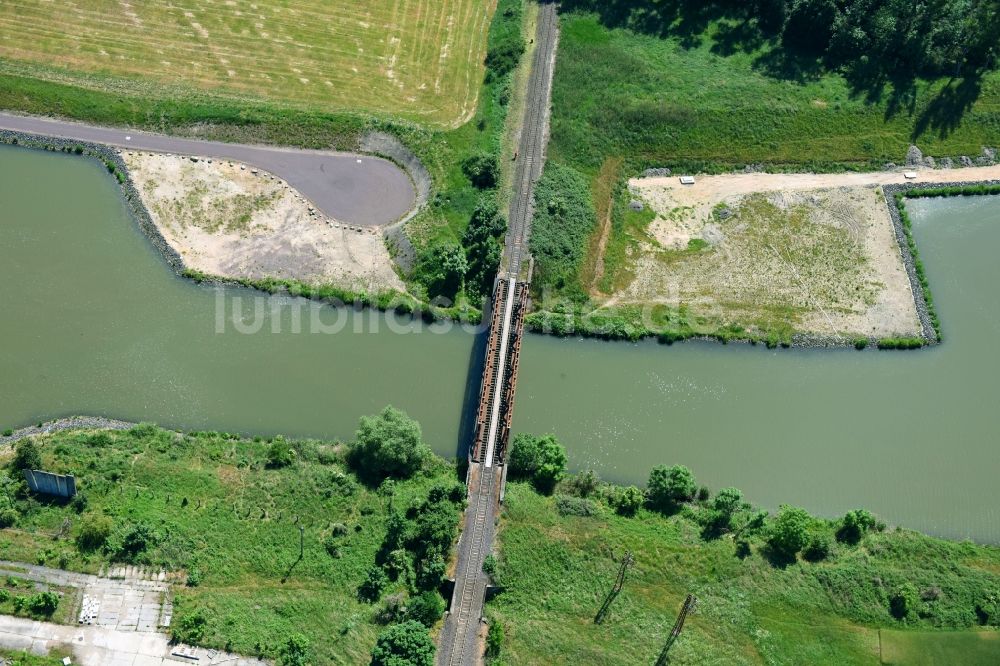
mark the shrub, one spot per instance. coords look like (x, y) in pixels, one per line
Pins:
(404, 644)
(669, 487)
(397, 565)
(8, 517)
(584, 485)
(904, 602)
(718, 516)
(860, 343)
(26, 456)
(8, 432)
(494, 640)
(426, 608)
(818, 547)
(43, 604)
(79, 502)
(373, 586)
(627, 501)
(280, 453)
(788, 533)
(567, 505)
(191, 627)
(393, 609)
(490, 564)
(854, 525)
(95, 529)
(389, 444)
(193, 578)
(294, 651)
(131, 543)
(442, 269)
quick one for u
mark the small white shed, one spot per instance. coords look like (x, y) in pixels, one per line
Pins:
(909, 175)
(687, 180)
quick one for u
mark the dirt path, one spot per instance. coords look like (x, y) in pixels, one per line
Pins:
(710, 190)
(359, 189)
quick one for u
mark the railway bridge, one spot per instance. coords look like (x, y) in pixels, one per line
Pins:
(460, 639)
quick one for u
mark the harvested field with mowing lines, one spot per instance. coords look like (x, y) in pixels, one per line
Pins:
(418, 59)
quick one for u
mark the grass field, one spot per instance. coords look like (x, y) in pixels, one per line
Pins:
(229, 523)
(415, 59)
(919, 648)
(699, 100)
(557, 569)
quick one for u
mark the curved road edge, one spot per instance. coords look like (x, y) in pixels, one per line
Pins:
(358, 189)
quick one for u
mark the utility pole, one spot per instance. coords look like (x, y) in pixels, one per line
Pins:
(627, 562)
(688, 606)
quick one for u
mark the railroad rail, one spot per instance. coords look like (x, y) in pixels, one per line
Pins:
(459, 644)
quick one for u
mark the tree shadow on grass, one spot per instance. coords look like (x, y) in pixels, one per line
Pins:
(777, 559)
(945, 112)
(887, 80)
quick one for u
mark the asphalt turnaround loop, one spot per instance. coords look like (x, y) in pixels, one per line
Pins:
(356, 189)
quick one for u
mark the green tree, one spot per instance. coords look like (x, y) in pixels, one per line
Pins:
(551, 464)
(404, 644)
(430, 571)
(374, 584)
(789, 531)
(482, 246)
(481, 169)
(426, 608)
(524, 456)
(26, 456)
(389, 444)
(294, 651)
(443, 267)
(669, 487)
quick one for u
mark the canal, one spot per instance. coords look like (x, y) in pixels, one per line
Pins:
(92, 321)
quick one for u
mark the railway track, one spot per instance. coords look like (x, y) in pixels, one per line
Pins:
(531, 147)
(459, 644)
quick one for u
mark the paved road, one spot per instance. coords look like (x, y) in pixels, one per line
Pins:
(357, 189)
(98, 646)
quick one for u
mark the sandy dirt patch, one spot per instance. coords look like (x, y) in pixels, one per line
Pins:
(237, 221)
(773, 252)
(666, 193)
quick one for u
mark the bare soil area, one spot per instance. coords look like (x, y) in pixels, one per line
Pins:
(236, 221)
(773, 252)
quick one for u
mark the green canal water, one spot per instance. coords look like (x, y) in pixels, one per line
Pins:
(92, 321)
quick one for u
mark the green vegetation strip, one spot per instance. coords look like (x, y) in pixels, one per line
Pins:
(783, 588)
(224, 513)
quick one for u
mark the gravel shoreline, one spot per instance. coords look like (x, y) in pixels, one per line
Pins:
(69, 423)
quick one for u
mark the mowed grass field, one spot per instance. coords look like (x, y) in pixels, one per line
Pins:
(417, 59)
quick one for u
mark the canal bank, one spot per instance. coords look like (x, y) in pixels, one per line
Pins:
(96, 323)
